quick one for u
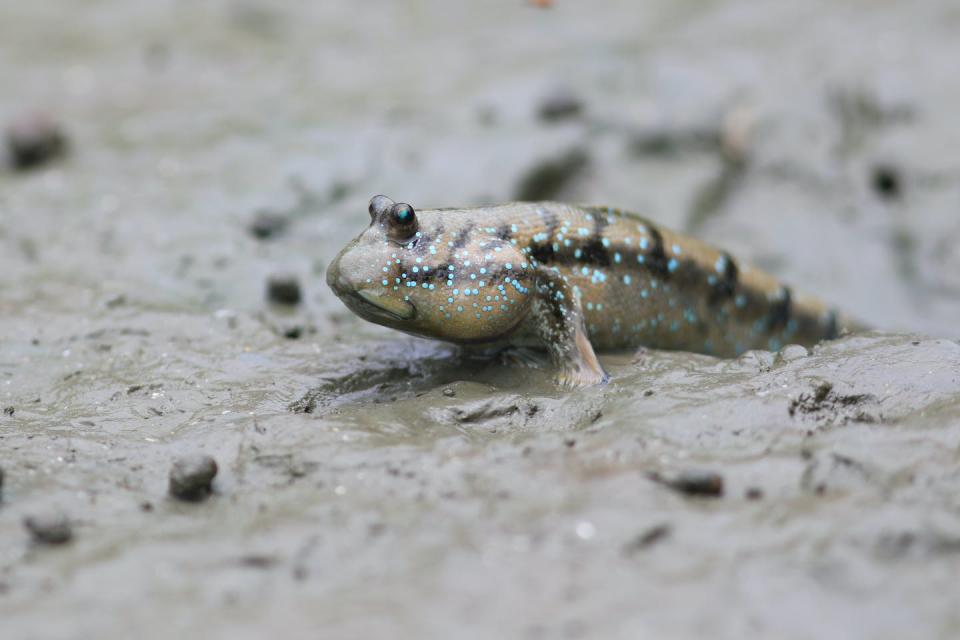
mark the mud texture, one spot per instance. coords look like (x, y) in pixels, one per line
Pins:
(372, 485)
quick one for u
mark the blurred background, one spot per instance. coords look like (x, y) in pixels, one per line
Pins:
(177, 175)
(812, 139)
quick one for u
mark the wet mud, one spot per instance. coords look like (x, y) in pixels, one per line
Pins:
(164, 320)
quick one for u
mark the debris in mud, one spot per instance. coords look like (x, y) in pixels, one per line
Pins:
(562, 104)
(50, 528)
(835, 471)
(492, 409)
(647, 539)
(862, 110)
(283, 289)
(293, 332)
(894, 545)
(266, 225)
(693, 482)
(191, 477)
(449, 392)
(831, 408)
(661, 141)
(886, 181)
(714, 194)
(548, 179)
(9, 411)
(34, 139)
(258, 561)
(290, 467)
(754, 493)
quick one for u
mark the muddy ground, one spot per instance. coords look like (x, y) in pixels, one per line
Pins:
(375, 485)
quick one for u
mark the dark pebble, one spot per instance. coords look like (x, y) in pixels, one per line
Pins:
(560, 105)
(9, 411)
(191, 477)
(694, 483)
(283, 289)
(886, 182)
(754, 493)
(293, 333)
(547, 179)
(266, 225)
(648, 538)
(49, 528)
(33, 140)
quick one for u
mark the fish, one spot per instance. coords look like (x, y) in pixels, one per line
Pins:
(572, 280)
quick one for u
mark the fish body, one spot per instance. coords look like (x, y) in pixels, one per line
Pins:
(570, 279)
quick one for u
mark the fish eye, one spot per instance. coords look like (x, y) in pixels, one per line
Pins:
(403, 221)
(379, 204)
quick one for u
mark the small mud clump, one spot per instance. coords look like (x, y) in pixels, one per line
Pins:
(266, 225)
(560, 105)
(9, 411)
(549, 179)
(33, 140)
(647, 539)
(693, 482)
(49, 529)
(284, 289)
(829, 407)
(886, 182)
(191, 477)
(515, 409)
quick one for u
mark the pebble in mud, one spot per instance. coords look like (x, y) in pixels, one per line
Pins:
(9, 411)
(266, 225)
(886, 181)
(191, 477)
(694, 482)
(550, 178)
(34, 139)
(560, 105)
(49, 529)
(647, 539)
(283, 289)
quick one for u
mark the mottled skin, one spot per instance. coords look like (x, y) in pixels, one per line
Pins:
(569, 279)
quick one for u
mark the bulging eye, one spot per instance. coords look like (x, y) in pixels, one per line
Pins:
(379, 204)
(403, 221)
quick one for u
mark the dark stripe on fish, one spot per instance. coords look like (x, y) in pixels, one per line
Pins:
(780, 309)
(462, 236)
(831, 330)
(656, 259)
(726, 283)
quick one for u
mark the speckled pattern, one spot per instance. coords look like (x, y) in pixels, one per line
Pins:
(568, 278)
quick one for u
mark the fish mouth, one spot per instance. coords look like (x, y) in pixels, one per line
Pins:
(371, 303)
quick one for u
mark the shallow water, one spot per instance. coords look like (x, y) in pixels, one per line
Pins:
(375, 485)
